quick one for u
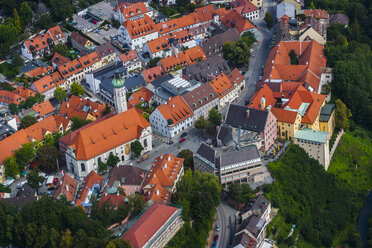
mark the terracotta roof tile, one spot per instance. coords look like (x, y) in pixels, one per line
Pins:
(38, 42)
(70, 68)
(62, 121)
(152, 73)
(56, 33)
(142, 95)
(175, 24)
(128, 56)
(44, 84)
(114, 199)
(283, 115)
(176, 110)
(140, 27)
(130, 10)
(58, 59)
(39, 71)
(24, 92)
(185, 58)
(148, 224)
(89, 181)
(43, 108)
(235, 76)
(165, 41)
(234, 20)
(317, 13)
(81, 107)
(67, 186)
(243, 6)
(267, 93)
(221, 85)
(89, 59)
(158, 194)
(10, 97)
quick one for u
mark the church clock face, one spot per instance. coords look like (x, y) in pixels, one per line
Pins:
(127, 149)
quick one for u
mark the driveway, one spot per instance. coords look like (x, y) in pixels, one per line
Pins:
(224, 212)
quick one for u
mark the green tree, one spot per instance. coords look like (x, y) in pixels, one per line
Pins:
(200, 123)
(241, 192)
(312, 6)
(17, 21)
(102, 167)
(188, 157)
(118, 243)
(43, 21)
(11, 167)
(153, 62)
(34, 178)
(77, 89)
(77, 123)
(59, 94)
(24, 155)
(25, 13)
(214, 117)
(107, 109)
(236, 52)
(61, 9)
(61, 49)
(8, 34)
(136, 147)
(268, 18)
(13, 108)
(355, 30)
(66, 239)
(27, 121)
(17, 61)
(294, 57)
(342, 115)
(136, 203)
(113, 160)
(47, 156)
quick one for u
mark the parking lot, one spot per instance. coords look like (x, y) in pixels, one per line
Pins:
(102, 35)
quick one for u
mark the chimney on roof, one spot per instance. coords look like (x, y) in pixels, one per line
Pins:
(117, 193)
(157, 192)
(247, 112)
(169, 158)
(105, 193)
(165, 166)
(66, 187)
(263, 102)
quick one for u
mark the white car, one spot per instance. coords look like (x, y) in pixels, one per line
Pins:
(251, 50)
(21, 184)
(9, 181)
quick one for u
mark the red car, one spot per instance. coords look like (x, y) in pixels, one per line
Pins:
(55, 181)
(182, 140)
(95, 21)
(216, 237)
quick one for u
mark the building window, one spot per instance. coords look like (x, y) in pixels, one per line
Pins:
(145, 142)
(82, 167)
(99, 160)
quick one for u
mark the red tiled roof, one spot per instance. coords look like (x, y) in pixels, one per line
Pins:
(70, 68)
(10, 97)
(163, 42)
(140, 27)
(243, 6)
(152, 73)
(317, 13)
(142, 95)
(108, 134)
(283, 115)
(58, 59)
(67, 186)
(235, 76)
(55, 32)
(44, 84)
(176, 110)
(128, 56)
(148, 224)
(114, 199)
(81, 107)
(234, 20)
(175, 24)
(188, 57)
(89, 59)
(43, 108)
(57, 78)
(221, 85)
(24, 92)
(60, 120)
(266, 92)
(158, 194)
(91, 179)
(130, 10)
(39, 71)
(38, 42)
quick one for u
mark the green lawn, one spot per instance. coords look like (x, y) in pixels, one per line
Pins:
(352, 161)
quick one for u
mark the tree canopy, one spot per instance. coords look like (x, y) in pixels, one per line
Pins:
(136, 147)
(200, 123)
(77, 89)
(28, 120)
(77, 123)
(188, 157)
(59, 94)
(47, 156)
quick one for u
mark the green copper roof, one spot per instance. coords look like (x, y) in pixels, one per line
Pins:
(311, 135)
(117, 82)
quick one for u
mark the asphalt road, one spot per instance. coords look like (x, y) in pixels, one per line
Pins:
(223, 213)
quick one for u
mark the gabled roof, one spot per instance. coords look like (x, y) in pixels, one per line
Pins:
(213, 45)
(175, 110)
(107, 134)
(339, 18)
(317, 13)
(24, 92)
(158, 194)
(175, 24)
(266, 93)
(105, 49)
(58, 59)
(221, 85)
(54, 32)
(43, 108)
(89, 59)
(166, 41)
(130, 10)
(148, 224)
(62, 121)
(128, 56)
(127, 175)
(44, 84)
(38, 42)
(164, 170)
(41, 128)
(81, 107)
(247, 118)
(243, 6)
(200, 96)
(67, 186)
(235, 77)
(152, 73)
(115, 199)
(140, 27)
(234, 20)
(12, 142)
(10, 97)
(143, 95)
(78, 38)
(89, 181)
(184, 58)
(283, 115)
(207, 152)
(57, 78)
(70, 68)
(39, 71)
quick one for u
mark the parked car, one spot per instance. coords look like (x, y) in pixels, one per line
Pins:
(216, 237)
(95, 21)
(21, 184)
(143, 158)
(182, 140)
(184, 135)
(251, 50)
(55, 181)
(217, 228)
(260, 78)
(9, 181)
(214, 244)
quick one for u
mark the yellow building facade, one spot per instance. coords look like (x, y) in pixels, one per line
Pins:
(327, 119)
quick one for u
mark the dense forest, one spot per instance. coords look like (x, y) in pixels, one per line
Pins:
(319, 203)
(48, 223)
(348, 52)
